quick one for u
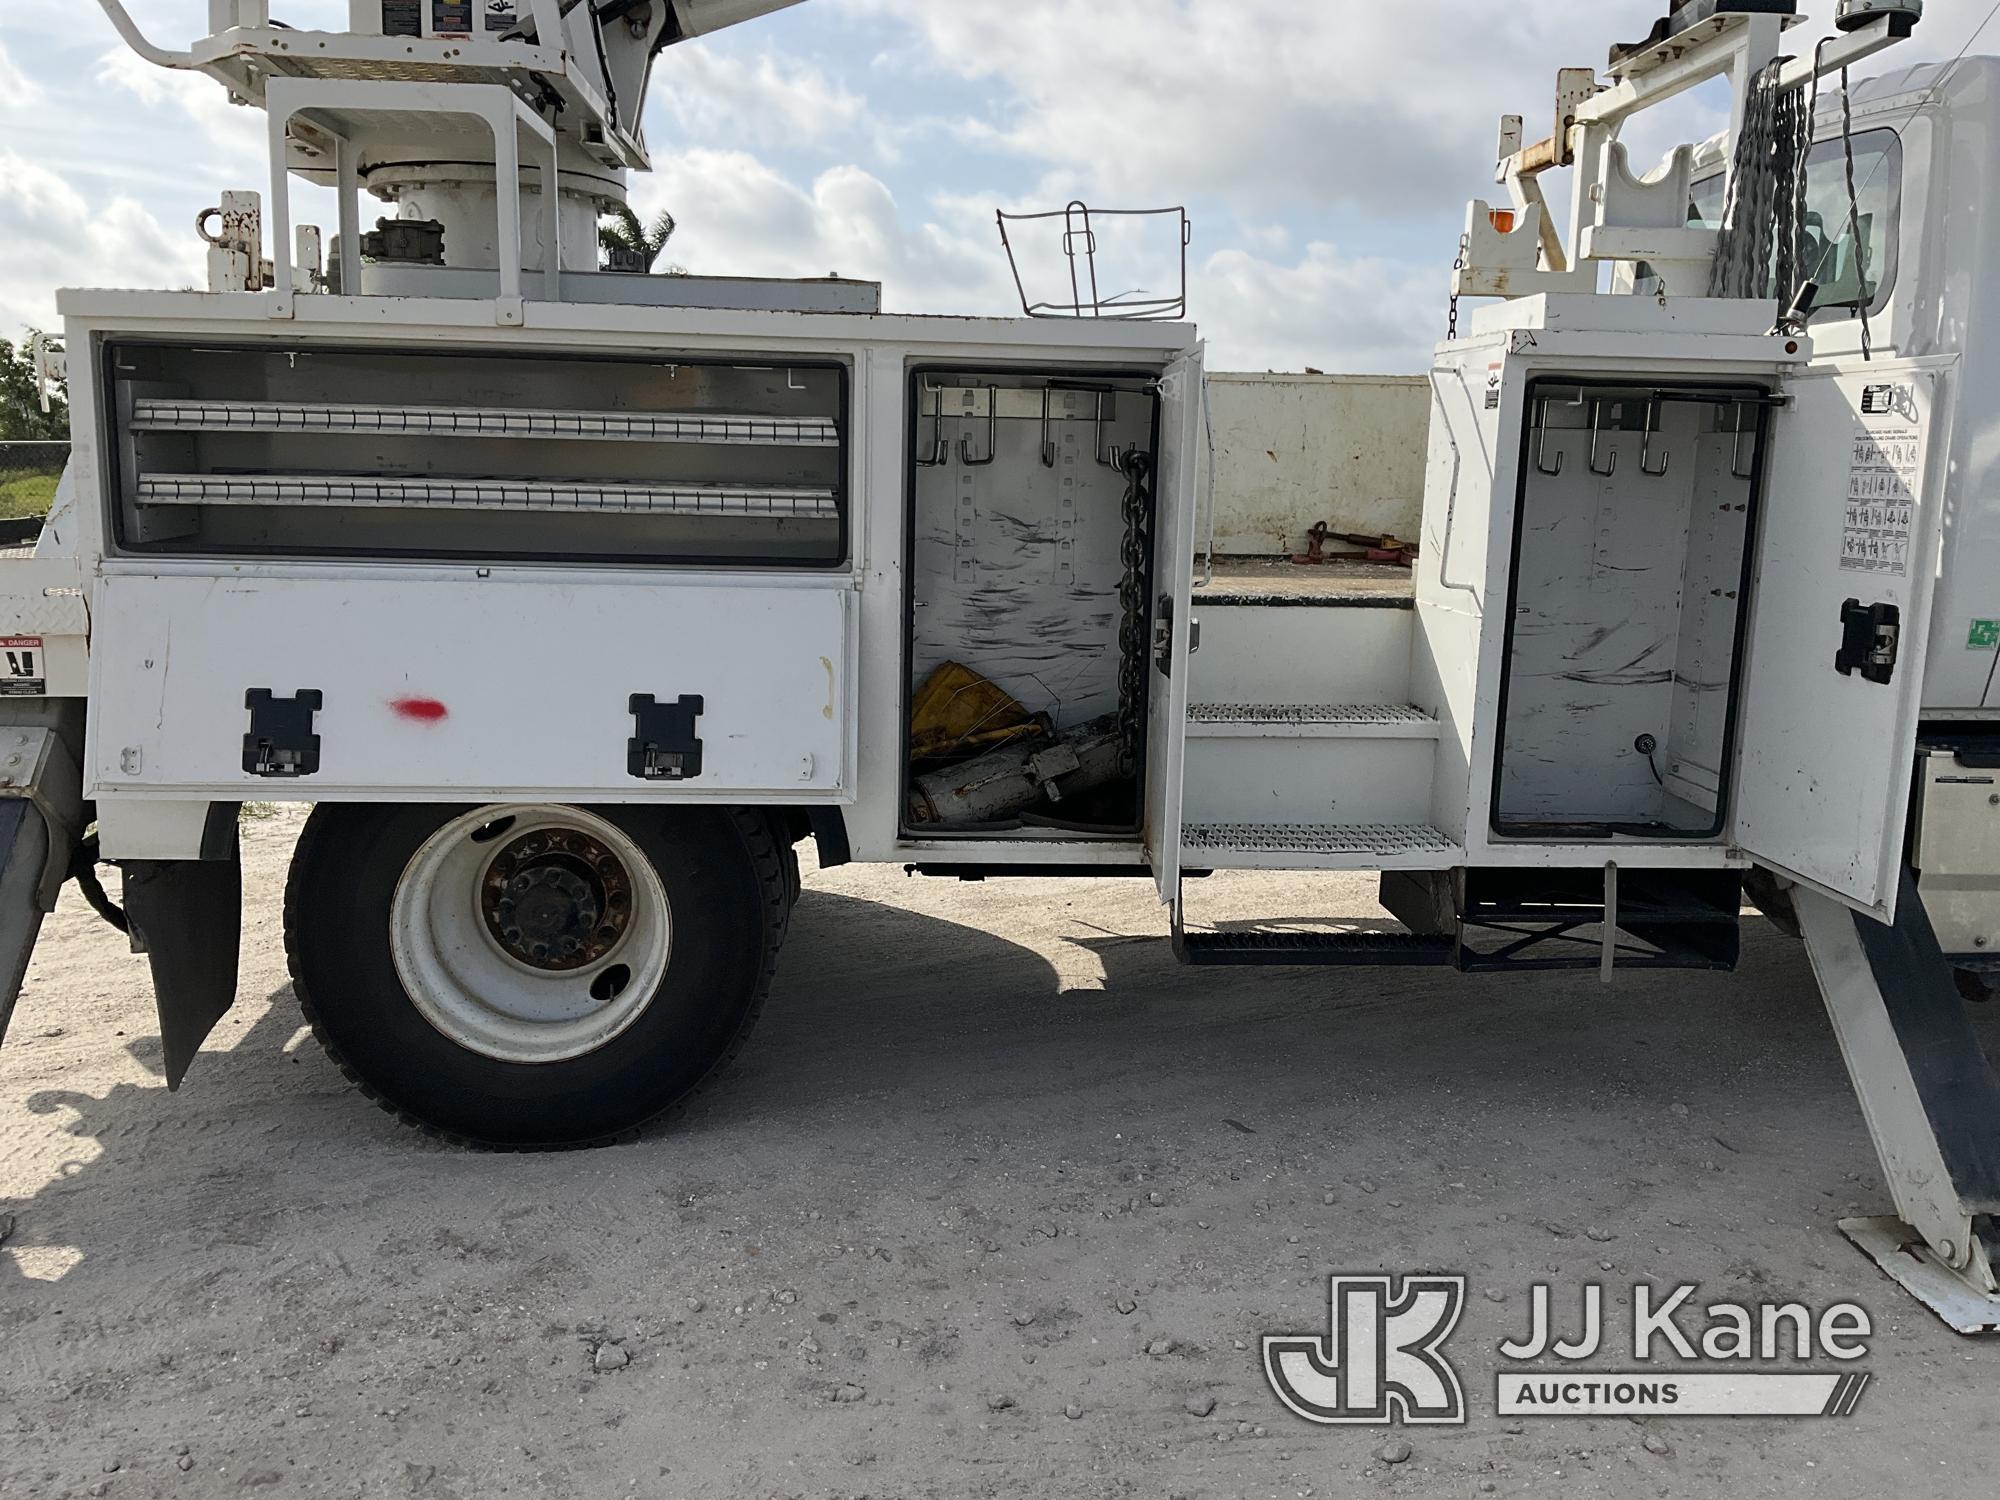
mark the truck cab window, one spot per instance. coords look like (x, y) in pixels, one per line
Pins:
(1832, 246)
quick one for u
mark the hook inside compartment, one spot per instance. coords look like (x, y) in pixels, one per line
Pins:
(940, 449)
(1646, 446)
(992, 434)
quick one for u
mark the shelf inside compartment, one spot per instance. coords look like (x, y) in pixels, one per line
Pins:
(153, 414)
(516, 456)
(484, 494)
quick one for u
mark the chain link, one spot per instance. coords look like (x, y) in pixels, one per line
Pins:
(1134, 632)
(1451, 321)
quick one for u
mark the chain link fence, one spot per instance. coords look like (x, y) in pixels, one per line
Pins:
(28, 475)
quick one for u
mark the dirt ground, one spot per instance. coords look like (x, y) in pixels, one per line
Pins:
(888, 1255)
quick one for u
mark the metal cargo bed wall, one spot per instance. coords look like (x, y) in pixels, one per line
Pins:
(1297, 451)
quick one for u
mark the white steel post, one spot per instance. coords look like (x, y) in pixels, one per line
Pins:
(347, 173)
(1930, 1099)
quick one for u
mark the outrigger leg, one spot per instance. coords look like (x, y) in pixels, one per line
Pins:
(1931, 1099)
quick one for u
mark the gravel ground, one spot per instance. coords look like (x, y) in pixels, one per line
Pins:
(989, 1147)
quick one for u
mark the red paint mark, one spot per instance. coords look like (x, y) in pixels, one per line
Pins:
(423, 710)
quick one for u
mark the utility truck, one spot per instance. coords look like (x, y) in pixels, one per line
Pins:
(574, 600)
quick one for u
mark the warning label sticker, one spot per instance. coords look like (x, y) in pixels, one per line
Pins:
(22, 673)
(1882, 487)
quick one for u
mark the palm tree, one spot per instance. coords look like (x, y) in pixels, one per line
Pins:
(623, 231)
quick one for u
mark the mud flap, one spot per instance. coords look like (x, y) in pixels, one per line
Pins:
(41, 810)
(24, 855)
(187, 917)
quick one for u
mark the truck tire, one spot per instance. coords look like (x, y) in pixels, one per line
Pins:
(534, 978)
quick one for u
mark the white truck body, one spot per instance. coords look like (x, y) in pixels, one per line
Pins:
(1701, 589)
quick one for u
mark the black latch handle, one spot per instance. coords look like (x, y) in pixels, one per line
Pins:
(665, 746)
(281, 742)
(1871, 640)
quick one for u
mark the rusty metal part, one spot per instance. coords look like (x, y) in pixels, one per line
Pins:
(1573, 87)
(556, 899)
(1362, 547)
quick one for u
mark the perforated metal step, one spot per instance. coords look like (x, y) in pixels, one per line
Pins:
(1307, 846)
(1314, 950)
(1388, 721)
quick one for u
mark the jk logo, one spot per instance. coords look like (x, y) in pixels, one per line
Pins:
(1381, 1363)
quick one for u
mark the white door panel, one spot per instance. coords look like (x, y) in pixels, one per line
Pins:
(1852, 510)
(1183, 472)
(470, 689)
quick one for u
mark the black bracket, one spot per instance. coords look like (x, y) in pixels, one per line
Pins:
(665, 747)
(1871, 638)
(281, 742)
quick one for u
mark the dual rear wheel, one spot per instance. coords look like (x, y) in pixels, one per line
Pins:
(535, 977)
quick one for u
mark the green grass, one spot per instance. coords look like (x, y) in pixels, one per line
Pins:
(26, 495)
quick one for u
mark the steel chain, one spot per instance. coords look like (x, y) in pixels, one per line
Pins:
(1451, 322)
(1134, 633)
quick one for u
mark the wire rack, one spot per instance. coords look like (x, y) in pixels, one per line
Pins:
(1079, 224)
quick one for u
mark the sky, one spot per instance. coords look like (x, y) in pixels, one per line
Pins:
(1325, 149)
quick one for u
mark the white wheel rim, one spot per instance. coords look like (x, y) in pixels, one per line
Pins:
(467, 969)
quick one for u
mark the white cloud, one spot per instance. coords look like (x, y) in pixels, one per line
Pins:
(1269, 105)
(232, 134)
(18, 93)
(1325, 310)
(51, 236)
(741, 217)
(1264, 104)
(721, 99)
(1328, 145)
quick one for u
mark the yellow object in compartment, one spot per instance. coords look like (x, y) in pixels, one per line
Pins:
(958, 712)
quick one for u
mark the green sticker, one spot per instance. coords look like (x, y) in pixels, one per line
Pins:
(1985, 635)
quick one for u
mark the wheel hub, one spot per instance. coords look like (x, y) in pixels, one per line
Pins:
(556, 900)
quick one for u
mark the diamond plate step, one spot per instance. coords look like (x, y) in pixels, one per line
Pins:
(1310, 721)
(1307, 846)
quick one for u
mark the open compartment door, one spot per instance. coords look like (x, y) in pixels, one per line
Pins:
(1183, 474)
(1839, 620)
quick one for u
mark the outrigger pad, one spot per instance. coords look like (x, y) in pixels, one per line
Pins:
(187, 916)
(1905, 1259)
